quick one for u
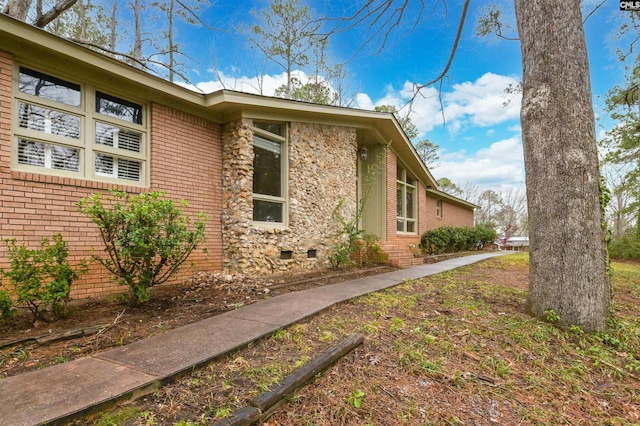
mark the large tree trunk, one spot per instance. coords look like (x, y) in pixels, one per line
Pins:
(568, 270)
(18, 9)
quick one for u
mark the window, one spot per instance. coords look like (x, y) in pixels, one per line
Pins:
(58, 133)
(439, 208)
(269, 173)
(406, 202)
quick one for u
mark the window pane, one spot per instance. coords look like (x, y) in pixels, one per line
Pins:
(118, 108)
(399, 201)
(275, 128)
(400, 225)
(267, 167)
(48, 87)
(411, 226)
(120, 168)
(128, 169)
(410, 179)
(267, 211)
(116, 137)
(65, 158)
(49, 156)
(409, 211)
(104, 165)
(31, 153)
(49, 121)
(399, 174)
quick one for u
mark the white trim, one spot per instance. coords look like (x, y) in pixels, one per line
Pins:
(263, 139)
(86, 142)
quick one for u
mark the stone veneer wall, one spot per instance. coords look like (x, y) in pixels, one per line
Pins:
(322, 172)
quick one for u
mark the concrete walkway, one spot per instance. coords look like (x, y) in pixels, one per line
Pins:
(58, 394)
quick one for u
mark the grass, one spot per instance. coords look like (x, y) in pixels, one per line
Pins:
(454, 348)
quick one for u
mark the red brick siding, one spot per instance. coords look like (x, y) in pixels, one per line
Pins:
(393, 238)
(423, 211)
(186, 161)
(452, 215)
(33, 206)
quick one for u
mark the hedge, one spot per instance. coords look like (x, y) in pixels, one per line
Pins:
(449, 239)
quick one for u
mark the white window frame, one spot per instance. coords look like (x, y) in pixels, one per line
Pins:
(86, 143)
(439, 209)
(405, 184)
(284, 175)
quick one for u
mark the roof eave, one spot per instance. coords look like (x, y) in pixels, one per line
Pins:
(451, 198)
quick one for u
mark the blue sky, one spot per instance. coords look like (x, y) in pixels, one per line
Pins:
(480, 139)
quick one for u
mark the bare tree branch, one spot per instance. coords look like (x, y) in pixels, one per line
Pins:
(384, 18)
(195, 16)
(454, 48)
(141, 62)
(595, 9)
(43, 19)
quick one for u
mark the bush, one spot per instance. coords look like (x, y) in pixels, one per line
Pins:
(146, 238)
(485, 235)
(452, 239)
(6, 305)
(366, 251)
(627, 247)
(40, 279)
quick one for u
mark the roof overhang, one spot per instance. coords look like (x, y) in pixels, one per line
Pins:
(381, 127)
(451, 199)
(33, 46)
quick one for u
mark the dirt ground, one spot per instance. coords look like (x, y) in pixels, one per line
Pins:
(457, 348)
(94, 325)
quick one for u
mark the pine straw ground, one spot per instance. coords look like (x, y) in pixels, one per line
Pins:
(454, 349)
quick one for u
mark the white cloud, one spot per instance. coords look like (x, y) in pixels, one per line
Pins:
(363, 101)
(469, 104)
(479, 103)
(265, 85)
(501, 163)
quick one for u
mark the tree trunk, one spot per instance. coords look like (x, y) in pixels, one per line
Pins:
(82, 20)
(18, 9)
(170, 42)
(137, 42)
(568, 268)
(113, 25)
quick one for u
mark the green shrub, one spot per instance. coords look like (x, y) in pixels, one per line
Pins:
(366, 251)
(373, 252)
(146, 238)
(485, 234)
(40, 279)
(6, 305)
(452, 239)
(627, 247)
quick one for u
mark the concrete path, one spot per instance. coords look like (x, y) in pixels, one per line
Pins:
(58, 394)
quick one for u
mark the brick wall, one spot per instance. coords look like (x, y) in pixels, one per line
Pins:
(452, 215)
(393, 238)
(397, 245)
(185, 161)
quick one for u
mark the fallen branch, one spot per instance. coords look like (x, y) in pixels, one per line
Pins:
(620, 370)
(260, 406)
(110, 326)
